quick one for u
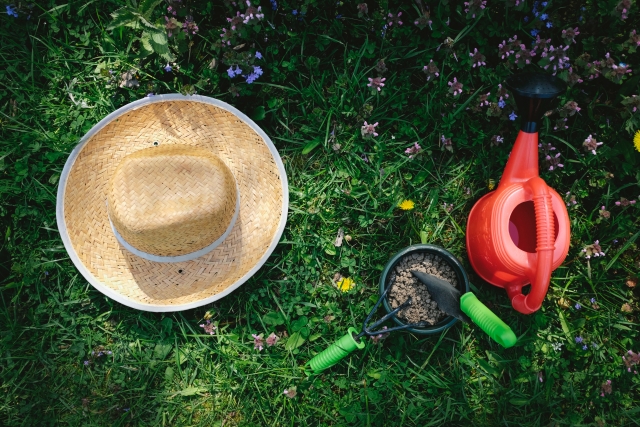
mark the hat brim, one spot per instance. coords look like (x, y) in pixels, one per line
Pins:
(83, 219)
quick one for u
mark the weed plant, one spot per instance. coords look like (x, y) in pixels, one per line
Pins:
(392, 122)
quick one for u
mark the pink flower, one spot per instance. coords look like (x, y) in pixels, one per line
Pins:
(376, 83)
(477, 58)
(394, 19)
(431, 70)
(590, 144)
(258, 342)
(413, 150)
(474, 6)
(291, 392)
(377, 338)
(455, 87)
(569, 35)
(368, 130)
(505, 49)
(209, 327)
(272, 339)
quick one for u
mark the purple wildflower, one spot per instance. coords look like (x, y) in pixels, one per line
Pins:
(209, 327)
(368, 130)
(252, 13)
(413, 150)
(431, 70)
(578, 340)
(593, 250)
(376, 83)
(584, 347)
(258, 55)
(455, 87)
(272, 339)
(590, 144)
(606, 388)
(578, 306)
(473, 7)
(290, 392)
(86, 363)
(394, 19)
(477, 59)
(377, 338)
(258, 342)
(496, 139)
(512, 116)
(506, 48)
(189, 26)
(569, 35)
(168, 68)
(446, 143)
(501, 103)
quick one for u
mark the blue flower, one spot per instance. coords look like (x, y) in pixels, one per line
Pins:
(594, 345)
(11, 11)
(536, 13)
(294, 12)
(584, 347)
(544, 17)
(512, 116)
(257, 70)
(578, 306)
(501, 103)
(258, 55)
(593, 300)
(274, 4)
(231, 73)
(544, 4)
(534, 32)
(526, 19)
(86, 363)
(578, 340)
(549, 24)
(338, 16)
(168, 68)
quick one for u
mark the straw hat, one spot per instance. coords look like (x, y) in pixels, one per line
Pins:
(172, 202)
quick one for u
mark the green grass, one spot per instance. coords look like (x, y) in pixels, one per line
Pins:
(164, 370)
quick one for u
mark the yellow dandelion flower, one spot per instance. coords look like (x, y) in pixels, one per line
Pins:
(636, 140)
(407, 205)
(346, 284)
(491, 184)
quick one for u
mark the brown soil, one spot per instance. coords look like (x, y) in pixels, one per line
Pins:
(404, 285)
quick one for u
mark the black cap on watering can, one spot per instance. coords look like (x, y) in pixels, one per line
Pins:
(534, 94)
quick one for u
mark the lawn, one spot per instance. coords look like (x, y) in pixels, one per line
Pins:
(316, 75)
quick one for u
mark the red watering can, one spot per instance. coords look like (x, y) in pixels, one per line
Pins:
(519, 233)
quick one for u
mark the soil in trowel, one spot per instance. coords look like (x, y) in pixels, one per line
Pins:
(405, 285)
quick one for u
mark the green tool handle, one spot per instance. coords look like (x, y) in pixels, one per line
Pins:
(336, 352)
(487, 320)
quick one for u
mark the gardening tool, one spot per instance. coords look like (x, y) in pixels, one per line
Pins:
(466, 308)
(519, 233)
(352, 339)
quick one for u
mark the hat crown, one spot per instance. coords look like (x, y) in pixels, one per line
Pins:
(172, 200)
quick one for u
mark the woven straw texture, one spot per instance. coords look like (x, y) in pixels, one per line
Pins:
(171, 200)
(173, 122)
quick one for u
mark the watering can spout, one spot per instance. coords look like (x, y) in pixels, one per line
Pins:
(534, 94)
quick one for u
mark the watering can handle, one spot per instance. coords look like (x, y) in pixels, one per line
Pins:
(334, 353)
(540, 274)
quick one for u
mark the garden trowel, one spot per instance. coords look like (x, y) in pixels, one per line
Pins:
(466, 307)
